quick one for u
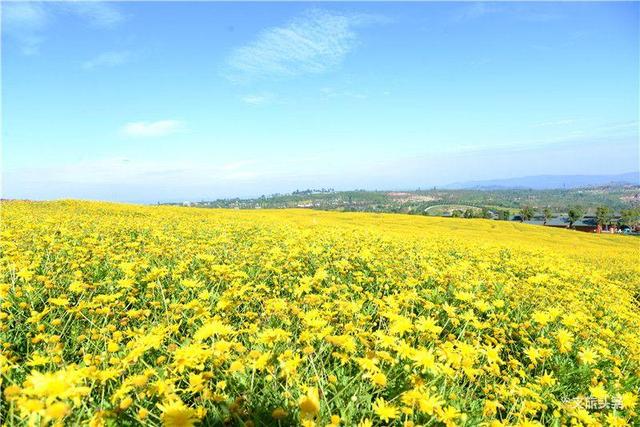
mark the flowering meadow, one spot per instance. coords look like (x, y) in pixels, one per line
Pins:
(124, 315)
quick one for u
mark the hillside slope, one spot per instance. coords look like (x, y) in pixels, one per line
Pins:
(541, 182)
(163, 315)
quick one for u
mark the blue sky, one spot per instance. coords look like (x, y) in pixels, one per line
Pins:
(180, 101)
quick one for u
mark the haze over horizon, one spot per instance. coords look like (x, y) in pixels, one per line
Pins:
(144, 102)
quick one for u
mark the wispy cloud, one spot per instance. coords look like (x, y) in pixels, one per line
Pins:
(95, 13)
(257, 99)
(26, 22)
(521, 12)
(330, 93)
(152, 129)
(107, 59)
(632, 127)
(23, 22)
(475, 10)
(561, 122)
(234, 166)
(121, 170)
(312, 43)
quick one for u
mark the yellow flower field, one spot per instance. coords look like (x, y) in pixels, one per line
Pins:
(120, 314)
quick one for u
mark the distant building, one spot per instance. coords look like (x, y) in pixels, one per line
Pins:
(558, 222)
(587, 223)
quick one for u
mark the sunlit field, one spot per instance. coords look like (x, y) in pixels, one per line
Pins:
(119, 315)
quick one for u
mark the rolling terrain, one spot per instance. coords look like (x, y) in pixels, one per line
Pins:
(122, 314)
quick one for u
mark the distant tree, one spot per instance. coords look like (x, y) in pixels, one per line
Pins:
(548, 214)
(486, 213)
(468, 213)
(457, 213)
(604, 214)
(526, 213)
(575, 213)
(630, 217)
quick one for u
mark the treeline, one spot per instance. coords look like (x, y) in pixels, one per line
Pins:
(604, 215)
(481, 213)
(312, 191)
(498, 204)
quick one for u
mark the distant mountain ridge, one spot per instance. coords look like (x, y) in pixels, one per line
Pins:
(547, 182)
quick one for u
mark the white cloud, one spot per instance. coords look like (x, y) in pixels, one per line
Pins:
(152, 129)
(257, 99)
(23, 22)
(24, 14)
(315, 42)
(107, 59)
(520, 11)
(561, 122)
(476, 10)
(95, 13)
(234, 166)
(330, 92)
(26, 22)
(126, 171)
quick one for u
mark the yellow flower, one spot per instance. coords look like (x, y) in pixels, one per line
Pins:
(76, 287)
(143, 413)
(196, 382)
(493, 355)
(424, 358)
(11, 391)
(534, 354)
(541, 317)
(491, 408)
(598, 392)
(335, 421)
(58, 410)
(379, 379)
(448, 416)
(211, 328)
(61, 384)
(615, 421)
(565, 340)
(529, 423)
(310, 403)
(384, 411)
(176, 414)
(628, 400)
(547, 380)
(97, 419)
(588, 356)
(279, 413)
(126, 402)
